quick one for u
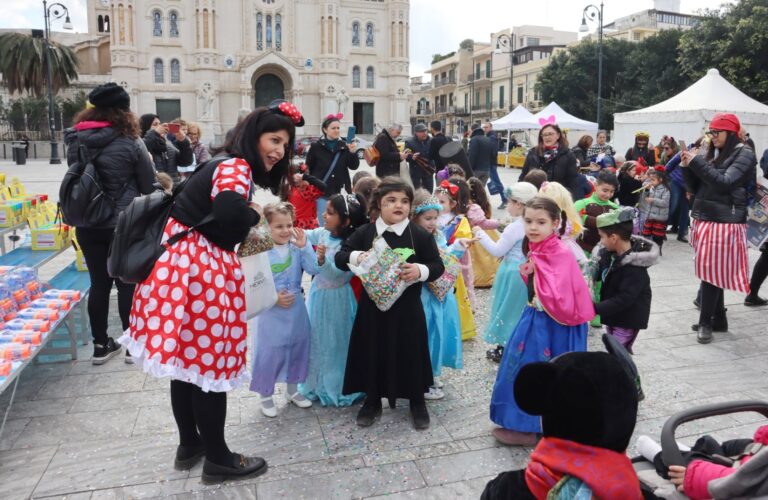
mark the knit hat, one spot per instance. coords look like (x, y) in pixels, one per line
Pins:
(642, 134)
(110, 95)
(522, 192)
(725, 121)
(420, 127)
(618, 216)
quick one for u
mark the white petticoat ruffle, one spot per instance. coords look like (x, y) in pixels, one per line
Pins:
(157, 369)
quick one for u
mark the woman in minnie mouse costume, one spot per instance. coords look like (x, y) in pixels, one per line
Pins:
(330, 159)
(188, 317)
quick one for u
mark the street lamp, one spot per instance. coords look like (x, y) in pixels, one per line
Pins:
(57, 10)
(503, 40)
(592, 12)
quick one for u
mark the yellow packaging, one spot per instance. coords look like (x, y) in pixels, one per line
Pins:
(48, 236)
(79, 258)
(10, 213)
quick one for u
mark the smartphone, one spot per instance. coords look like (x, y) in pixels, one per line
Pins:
(351, 132)
(683, 146)
(174, 128)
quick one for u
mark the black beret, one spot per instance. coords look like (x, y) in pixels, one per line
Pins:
(110, 95)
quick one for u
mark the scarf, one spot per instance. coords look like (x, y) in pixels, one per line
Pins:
(550, 153)
(560, 288)
(608, 474)
(331, 144)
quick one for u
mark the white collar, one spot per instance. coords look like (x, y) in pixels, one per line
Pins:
(398, 228)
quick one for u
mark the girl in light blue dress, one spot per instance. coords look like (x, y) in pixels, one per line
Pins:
(282, 333)
(443, 323)
(331, 303)
(508, 295)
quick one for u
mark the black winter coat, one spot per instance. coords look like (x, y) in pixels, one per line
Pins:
(625, 297)
(319, 160)
(437, 142)
(482, 152)
(124, 165)
(389, 161)
(626, 196)
(168, 157)
(562, 168)
(647, 154)
(721, 190)
(581, 156)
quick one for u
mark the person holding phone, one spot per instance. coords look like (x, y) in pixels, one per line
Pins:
(720, 181)
(168, 155)
(330, 159)
(418, 146)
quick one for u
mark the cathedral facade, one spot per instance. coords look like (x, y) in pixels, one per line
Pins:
(206, 60)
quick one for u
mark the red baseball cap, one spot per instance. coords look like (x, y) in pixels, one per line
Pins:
(725, 121)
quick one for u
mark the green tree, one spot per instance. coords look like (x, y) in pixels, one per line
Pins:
(733, 40)
(71, 106)
(24, 67)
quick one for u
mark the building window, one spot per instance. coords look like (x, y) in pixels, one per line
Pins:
(356, 77)
(477, 99)
(369, 77)
(369, 34)
(355, 34)
(159, 71)
(157, 23)
(269, 31)
(488, 99)
(100, 23)
(532, 41)
(175, 71)
(173, 24)
(477, 71)
(106, 24)
(278, 32)
(488, 68)
(259, 32)
(501, 96)
(519, 94)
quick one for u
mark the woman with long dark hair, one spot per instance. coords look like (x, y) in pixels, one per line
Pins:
(553, 157)
(188, 317)
(169, 151)
(720, 181)
(110, 134)
(330, 159)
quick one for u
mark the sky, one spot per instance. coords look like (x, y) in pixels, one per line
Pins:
(437, 26)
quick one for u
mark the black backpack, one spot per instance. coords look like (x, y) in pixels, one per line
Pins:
(136, 243)
(82, 200)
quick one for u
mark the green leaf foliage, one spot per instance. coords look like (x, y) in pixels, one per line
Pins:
(23, 64)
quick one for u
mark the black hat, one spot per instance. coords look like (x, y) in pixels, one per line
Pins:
(110, 95)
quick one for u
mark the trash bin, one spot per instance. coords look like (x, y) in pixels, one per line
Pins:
(19, 152)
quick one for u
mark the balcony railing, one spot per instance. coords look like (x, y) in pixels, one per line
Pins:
(444, 81)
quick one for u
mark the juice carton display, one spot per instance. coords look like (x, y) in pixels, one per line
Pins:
(15, 352)
(31, 338)
(28, 325)
(59, 304)
(8, 309)
(48, 236)
(62, 294)
(5, 369)
(11, 213)
(35, 313)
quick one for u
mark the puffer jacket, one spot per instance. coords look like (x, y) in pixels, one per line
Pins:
(319, 160)
(124, 165)
(563, 168)
(721, 191)
(658, 209)
(168, 157)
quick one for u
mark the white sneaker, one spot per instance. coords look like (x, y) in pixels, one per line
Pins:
(438, 383)
(299, 400)
(268, 411)
(434, 393)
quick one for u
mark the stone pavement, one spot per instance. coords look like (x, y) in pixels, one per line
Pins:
(81, 431)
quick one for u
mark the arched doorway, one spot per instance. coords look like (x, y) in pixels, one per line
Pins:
(267, 88)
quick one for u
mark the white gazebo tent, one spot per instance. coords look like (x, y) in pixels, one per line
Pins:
(686, 115)
(518, 119)
(576, 126)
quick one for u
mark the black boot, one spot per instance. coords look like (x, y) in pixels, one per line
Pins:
(370, 412)
(704, 335)
(419, 415)
(720, 322)
(243, 467)
(754, 300)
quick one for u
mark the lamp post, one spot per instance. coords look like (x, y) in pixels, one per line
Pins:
(503, 40)
(57, 10)
(592, 12)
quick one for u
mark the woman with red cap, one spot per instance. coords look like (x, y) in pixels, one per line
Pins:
(720, 180)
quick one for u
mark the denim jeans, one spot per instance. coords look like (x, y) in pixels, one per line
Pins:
(679, 210)
(496, 180)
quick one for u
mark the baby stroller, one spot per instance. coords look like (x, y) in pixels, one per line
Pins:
(751, 479)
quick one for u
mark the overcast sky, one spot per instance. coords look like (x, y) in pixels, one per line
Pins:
(437, 26)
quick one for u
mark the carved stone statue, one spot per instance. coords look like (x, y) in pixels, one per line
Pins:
(207, 95)
(341, 99)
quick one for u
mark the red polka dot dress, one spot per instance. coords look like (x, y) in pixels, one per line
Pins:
(188, 317)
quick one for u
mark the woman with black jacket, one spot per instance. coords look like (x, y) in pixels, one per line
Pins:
(167, 155)
(553, 157)
(320, 158)
(721, 182)
(581, 151)
(110, 133)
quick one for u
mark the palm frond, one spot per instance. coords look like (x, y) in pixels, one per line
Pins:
(24, 67)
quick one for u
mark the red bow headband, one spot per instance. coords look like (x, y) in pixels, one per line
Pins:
(449, 188)
(334, 117)
(285, 108)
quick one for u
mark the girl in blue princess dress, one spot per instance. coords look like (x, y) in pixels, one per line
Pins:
(331, 303)
(282, 332)
(443, 323)
(509, 294)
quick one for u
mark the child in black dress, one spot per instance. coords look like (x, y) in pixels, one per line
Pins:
(388, 350)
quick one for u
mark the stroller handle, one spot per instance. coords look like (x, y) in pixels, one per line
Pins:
(671, 453)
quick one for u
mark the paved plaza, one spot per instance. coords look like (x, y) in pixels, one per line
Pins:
(102, 432)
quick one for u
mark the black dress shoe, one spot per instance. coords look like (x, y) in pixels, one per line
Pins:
(369, 413)
(704, 335)
(682, 239)
(188, 456)
(419, 415)
(245, 467)
(672, 230)
(720, 323)
(754, 300)
(696, 304)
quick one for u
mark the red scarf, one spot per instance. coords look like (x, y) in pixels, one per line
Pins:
(607, 473)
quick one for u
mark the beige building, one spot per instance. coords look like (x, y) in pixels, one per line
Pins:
(207, 59)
